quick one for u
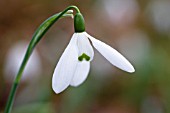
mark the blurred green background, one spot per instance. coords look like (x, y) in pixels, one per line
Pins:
(139, 29)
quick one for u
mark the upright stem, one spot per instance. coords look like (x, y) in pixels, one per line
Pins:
(39, 33)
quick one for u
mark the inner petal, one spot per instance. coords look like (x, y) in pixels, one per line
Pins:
(85, 50)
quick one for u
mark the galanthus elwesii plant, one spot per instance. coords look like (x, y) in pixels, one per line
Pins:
(74, 64)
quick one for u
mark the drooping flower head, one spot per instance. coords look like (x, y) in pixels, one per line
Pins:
(74, 65)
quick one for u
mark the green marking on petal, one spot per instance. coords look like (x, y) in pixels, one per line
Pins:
(84, 56)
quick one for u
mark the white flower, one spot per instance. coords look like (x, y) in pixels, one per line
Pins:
(74, 64)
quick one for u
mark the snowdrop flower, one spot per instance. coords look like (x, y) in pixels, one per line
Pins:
(74, 64)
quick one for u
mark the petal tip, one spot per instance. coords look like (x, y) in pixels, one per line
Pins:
(131, 70)
(56, 89)
(74, 85)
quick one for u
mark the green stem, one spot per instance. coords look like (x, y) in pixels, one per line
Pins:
(39, 33)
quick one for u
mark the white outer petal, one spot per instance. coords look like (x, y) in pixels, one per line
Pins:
(81, 73)
(84, 45)
(66, 67)
(113, 56)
